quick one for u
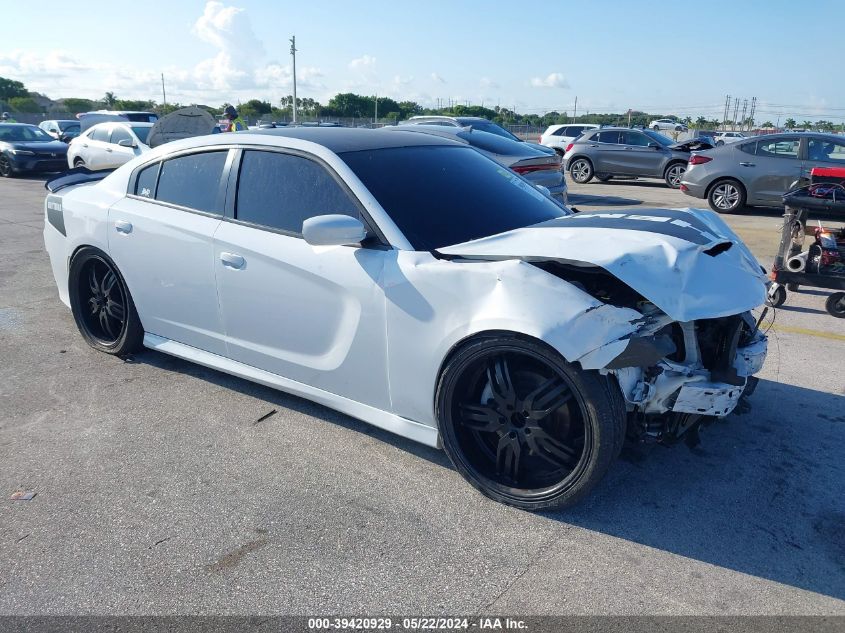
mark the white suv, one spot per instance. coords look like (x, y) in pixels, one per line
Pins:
(559, 136)
(667, 124)
(728, 137)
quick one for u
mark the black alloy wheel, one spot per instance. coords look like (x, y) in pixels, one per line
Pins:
(6, 170)
(525, 427)
(835, 305)
(101, 304)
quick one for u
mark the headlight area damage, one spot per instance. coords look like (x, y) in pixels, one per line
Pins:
(683, 283)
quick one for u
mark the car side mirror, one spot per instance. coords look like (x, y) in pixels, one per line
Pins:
(654, 145)
(125, 142)
(544, 190)
(333, 230)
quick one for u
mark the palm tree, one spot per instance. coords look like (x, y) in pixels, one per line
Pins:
(807, 125)
(109, 99)
(767, 125)
(789, 124)
(700, 122)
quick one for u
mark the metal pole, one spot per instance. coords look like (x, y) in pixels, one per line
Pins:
(293, 54)
(727, 111)
(376, 119)
(575, 114)
(743, 119)
(163, 93)
(736, 111)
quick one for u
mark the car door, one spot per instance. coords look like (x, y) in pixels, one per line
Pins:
(94, 147)
(315, 315)
(775, 165)
(637, 158)
(160, 237)
(606, 149)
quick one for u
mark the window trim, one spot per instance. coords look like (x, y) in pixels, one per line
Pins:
(222, 190)
(375, 237)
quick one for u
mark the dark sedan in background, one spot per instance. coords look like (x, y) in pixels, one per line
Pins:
(28, 148)
(759, 170)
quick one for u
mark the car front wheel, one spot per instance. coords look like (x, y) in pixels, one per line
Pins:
(102, 306)
(581, 170)
(726, 196)
(6, 170)
(674, 174)
(525, 427)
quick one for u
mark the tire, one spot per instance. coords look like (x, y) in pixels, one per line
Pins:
(674, 174)
(726, 196)
(581, 170)
(835, 305)
(719, 143)
(6, 170)
(776, 297)
(558, 151)
(792, 287)
(604, 178)
(525, 427)
(656, 128)
(102, 306)
(78, 162)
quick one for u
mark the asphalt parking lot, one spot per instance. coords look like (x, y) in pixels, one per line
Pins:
(160, 492)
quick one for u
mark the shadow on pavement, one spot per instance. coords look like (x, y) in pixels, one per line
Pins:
(762, 494)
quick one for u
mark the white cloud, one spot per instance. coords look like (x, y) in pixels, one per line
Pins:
(399, 80)
(553, 80)
(362, 63)
(486, 82)
(437, 78)
(47, 65)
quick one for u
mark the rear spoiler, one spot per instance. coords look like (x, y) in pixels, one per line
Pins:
(75, 176)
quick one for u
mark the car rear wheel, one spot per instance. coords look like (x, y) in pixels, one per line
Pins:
(719, 143)
(581, 170)
(102, 306)
(78, 162)
(835, 305)
(525, 427)
(6, 170)
(674, 174)
(726, 196)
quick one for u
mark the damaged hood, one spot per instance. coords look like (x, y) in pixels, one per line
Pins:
(692, 145)
(687, 262)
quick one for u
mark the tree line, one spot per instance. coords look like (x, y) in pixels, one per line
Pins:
(349, 105)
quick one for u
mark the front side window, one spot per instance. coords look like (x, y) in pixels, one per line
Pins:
(439, 195)
(120, 133)
(779, 148)
(825, 151)
(281, 191)
(635, 138)
(193, 181)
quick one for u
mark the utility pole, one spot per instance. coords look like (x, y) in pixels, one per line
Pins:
(629, 117)
(753, 107)
(727, 111)
(575, 114)
(743, 119)
(736, 110)
(163, 93)
(293, 55)
(376, 119)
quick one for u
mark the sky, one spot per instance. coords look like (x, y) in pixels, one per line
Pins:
(679, 58)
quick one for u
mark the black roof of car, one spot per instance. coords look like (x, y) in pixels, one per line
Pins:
(343, 139)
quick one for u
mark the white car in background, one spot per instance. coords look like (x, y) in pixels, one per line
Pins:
(410, 281)
(108, 145)
(723, 138)
(559, 136)
(668, 124)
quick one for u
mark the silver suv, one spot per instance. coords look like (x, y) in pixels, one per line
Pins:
(609, 152)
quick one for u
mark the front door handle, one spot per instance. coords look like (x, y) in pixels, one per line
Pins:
(232, 260)
(747, 164)
(108, 149)
(122, 226)
(85, 145)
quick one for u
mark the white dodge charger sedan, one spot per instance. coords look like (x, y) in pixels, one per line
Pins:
(411, 282)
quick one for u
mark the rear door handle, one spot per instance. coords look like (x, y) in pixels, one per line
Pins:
(108, 149)
(593, 145)
(747, 164)
(122, 226)
(85, 145)
(232, 260)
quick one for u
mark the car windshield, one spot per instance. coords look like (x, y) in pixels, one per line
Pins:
(490, 128)
(142, 132)
(28, 133)
(665, 141)
(442, 195)
(68, 125)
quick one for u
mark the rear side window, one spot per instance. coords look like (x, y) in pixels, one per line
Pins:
(145, 185)
(574, 130)
(749, 148)
(281, 191)
(609, 137)
(193, 181)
